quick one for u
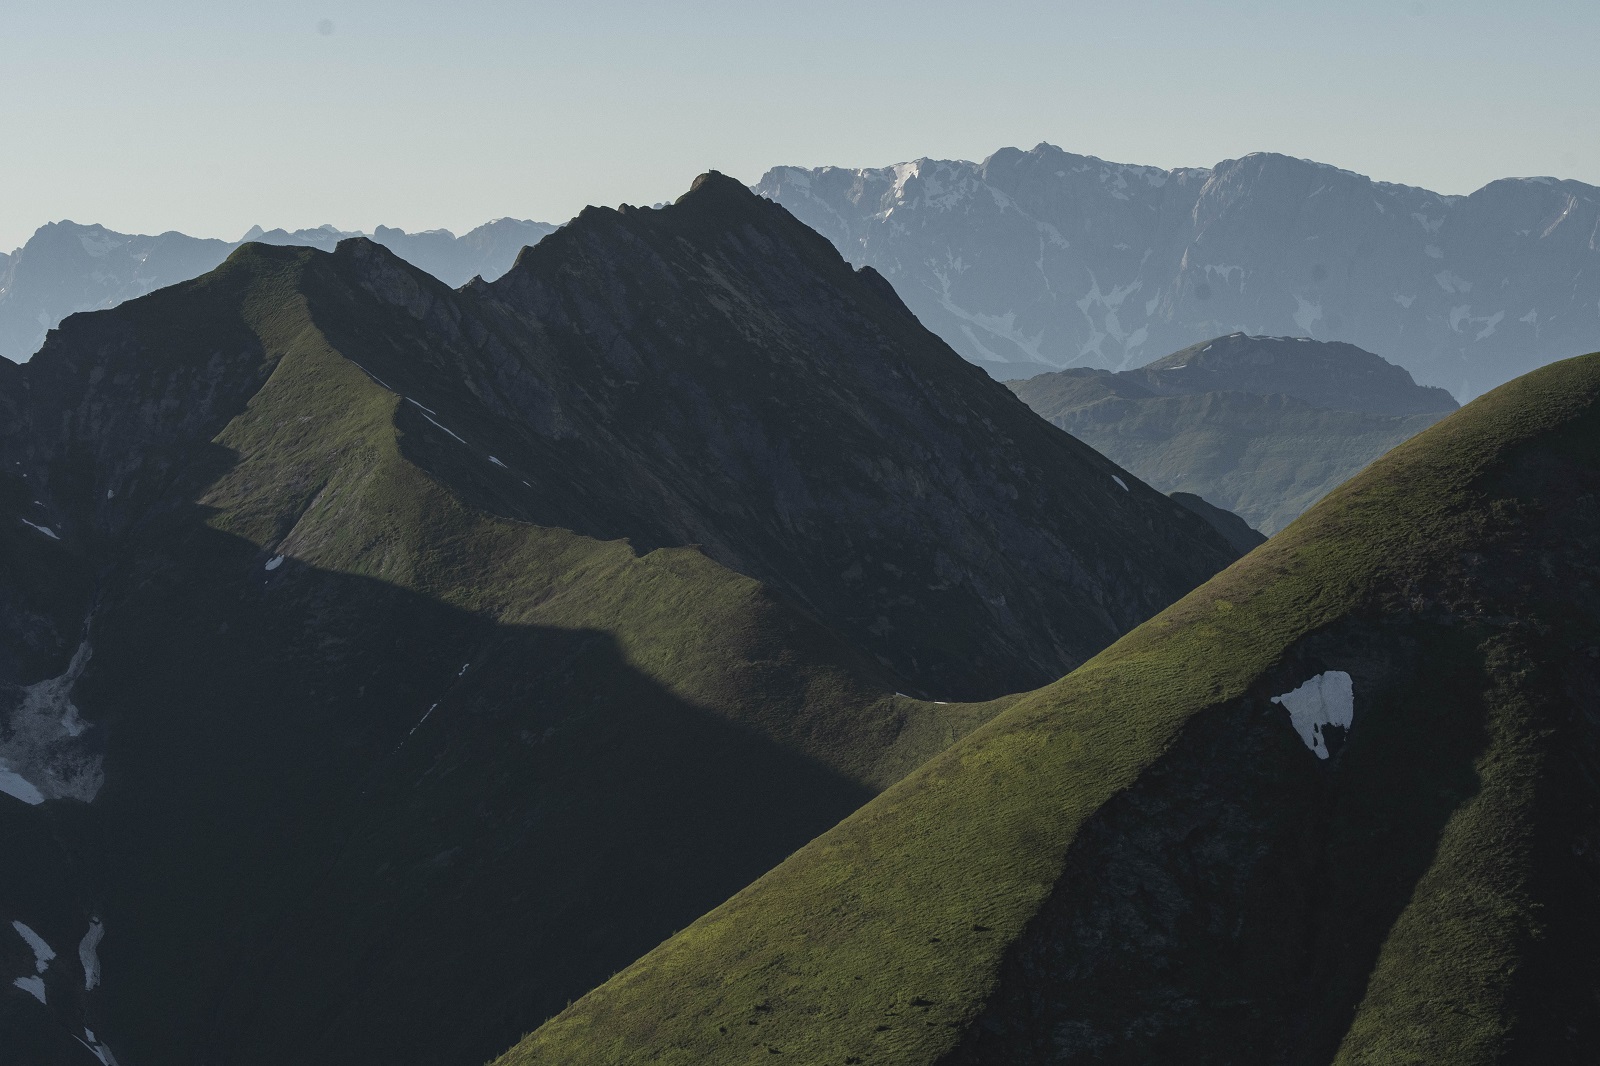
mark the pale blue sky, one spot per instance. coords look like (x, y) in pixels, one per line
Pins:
(208, 117)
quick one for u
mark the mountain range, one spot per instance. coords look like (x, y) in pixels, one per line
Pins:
(1039, 260)
(386, 664)
(65, 267)
(1338, 805)
(1262, 427)
(1043, 259)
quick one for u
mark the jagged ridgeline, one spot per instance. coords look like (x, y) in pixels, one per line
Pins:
(1336, 805)
(387, 665)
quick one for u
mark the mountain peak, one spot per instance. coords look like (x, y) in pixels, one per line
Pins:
(716, 188)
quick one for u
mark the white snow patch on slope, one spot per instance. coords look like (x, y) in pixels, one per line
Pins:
(436, 422)
(1405, 301)
(498, 463)
(34, 986)
(1121, 482)
(274, 562)
(1327, 699)
(46, 530)
(97, 1049)
(42, 953)
(98, 243)
(1306, 313)
(15, 785)
(89, 954)
(42, 756)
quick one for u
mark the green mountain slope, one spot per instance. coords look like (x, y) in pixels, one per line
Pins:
(1147, 861)
(1262, 426)
(407, 661)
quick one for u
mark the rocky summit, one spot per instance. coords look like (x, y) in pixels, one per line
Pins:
(387, 665)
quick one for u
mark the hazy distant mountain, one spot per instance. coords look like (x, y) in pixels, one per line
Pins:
(1262, 426)
(1067, 260)
(65, 268)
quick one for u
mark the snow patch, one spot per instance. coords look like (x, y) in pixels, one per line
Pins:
(436, 422)
(15, 785)
(274, 562)
(498, 463)
(89, 954)
(97, 1049)
(1120, 482)
(42, 953)
(1306, 313)
(1327, 699)
(424, 718)
(1450, 281)
(43, 755)
(1405, 301)
(34, 986)
(98, 243)
(46, 530)
(1532, 318)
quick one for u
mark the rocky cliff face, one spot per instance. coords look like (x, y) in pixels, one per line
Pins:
(405, 660)
(1048, 258)
(66, 268)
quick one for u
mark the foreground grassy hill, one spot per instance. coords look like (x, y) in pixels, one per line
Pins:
(1262, 426)
(405, 661)
(1154, 860)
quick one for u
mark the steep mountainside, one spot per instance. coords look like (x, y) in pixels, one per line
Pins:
(1336, 805)
(399, 662)
(1262, 426)
(65, 268)
(1067, 260)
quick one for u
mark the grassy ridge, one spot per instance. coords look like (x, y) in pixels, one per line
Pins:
(881, 941)
(289, 836)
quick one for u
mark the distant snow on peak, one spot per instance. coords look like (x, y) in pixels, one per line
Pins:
(1011, 260)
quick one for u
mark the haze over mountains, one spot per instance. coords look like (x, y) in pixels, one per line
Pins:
(1041, 259)
(66, 267)
(386, 665)
(1261, 426)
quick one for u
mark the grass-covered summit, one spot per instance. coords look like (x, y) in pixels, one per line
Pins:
(1336, 805)
(420, 657)
(1262, 426)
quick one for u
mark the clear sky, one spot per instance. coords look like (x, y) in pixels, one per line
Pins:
(208, 117)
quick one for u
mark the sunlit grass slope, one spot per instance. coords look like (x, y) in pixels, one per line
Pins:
(1043, 890)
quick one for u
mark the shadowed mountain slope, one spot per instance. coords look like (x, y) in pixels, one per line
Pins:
(403, 661)
(1336, 805)
(1262, 426)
